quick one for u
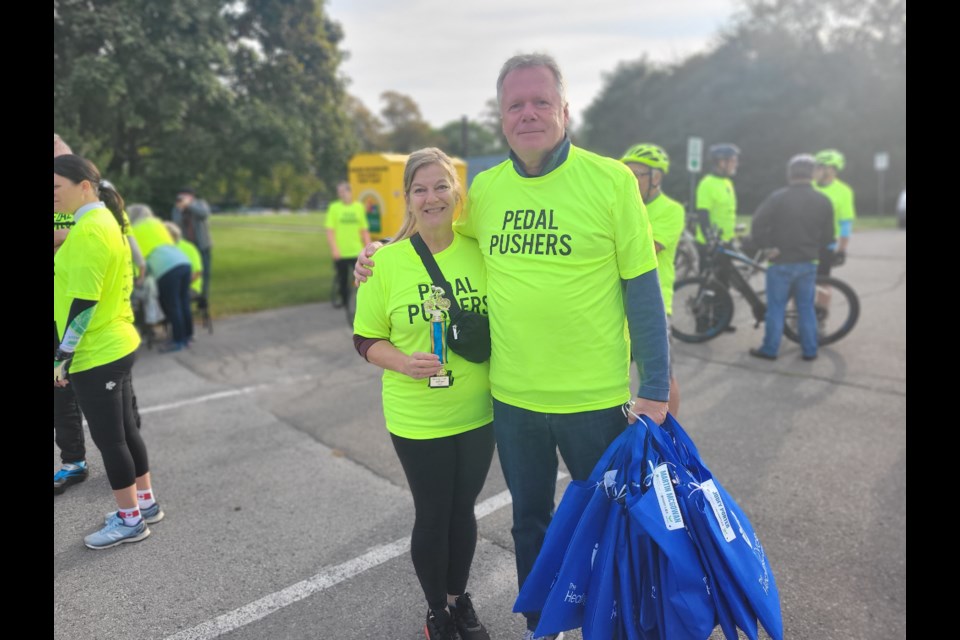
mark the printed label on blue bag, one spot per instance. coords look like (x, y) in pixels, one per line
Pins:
(719, 511)
(667, 498)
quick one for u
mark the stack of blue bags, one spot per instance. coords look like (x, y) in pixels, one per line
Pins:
(651, 546)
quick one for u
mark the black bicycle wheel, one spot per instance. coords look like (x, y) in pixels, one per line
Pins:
(701, 310)
(686, 263)
(835, 318)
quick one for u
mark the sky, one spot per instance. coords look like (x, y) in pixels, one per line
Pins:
(446, 55)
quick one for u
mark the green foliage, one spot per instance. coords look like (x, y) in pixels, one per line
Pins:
(241, 100)
(787, 77)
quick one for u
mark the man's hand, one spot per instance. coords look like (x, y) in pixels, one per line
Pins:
(363, 268)
(653, 409)
(839, 257)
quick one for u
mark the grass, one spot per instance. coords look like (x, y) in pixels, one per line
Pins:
(255, 268)
(258, 265)
(308, 219)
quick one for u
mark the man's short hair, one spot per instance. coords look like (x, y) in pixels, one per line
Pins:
(527, 60)
(187, 190)
(801, 167)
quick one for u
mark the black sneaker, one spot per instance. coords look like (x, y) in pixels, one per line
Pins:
(69, 473)
(465, 619)
(439, 626)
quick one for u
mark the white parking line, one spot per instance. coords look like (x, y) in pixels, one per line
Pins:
(324, 580)
(327, 578)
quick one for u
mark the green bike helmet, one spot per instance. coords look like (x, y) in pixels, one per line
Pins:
(831, 158)
(649, 154)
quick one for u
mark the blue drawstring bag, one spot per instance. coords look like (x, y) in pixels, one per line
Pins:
(602, 612)
(576, 497)
(741, 569)
(687, 608)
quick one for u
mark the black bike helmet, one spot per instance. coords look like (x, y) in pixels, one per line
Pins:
(723, 151)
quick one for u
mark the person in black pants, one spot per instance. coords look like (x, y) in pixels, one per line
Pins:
(92, 283)
(442, 429)
(67, 418)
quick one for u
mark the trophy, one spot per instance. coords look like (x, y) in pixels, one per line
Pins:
(436, 305)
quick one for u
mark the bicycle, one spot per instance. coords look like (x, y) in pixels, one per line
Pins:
(703, 307)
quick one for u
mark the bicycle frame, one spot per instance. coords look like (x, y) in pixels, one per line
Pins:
(723, 271)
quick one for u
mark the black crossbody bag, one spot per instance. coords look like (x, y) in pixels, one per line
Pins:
(468, 333)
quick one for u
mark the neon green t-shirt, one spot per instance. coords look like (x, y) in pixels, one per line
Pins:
(94, 264)
(62, 220)
(150, 234)
(556, 248)
(390, 306)
(841, 197)
(717, 195)
(196, 263)
(347, 220)
(667, 218)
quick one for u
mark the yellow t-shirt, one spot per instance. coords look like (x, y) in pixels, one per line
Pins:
(196, 263)
(150, 234)
(94, 264)
(556, 248)
(841, 197)
(717, 195)
(347, 220)
(667, 218)
(390, 306)
(62, 220)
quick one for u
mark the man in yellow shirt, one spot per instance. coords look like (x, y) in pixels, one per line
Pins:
(347, 233)
(650, 163)
(830, 163)
(716, 197)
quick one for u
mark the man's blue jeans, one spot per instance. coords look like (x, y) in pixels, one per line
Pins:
(527, 443)
(797, 280)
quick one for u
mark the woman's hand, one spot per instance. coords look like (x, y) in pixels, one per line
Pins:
(419, 365)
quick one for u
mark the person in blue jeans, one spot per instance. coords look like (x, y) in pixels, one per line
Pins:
(796, 222)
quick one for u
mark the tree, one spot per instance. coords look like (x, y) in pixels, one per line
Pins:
(406, 129)
(367, 128)
(480, 141)
(786, 77)
(222, 95)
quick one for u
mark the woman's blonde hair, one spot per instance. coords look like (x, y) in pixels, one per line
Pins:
(416, 161)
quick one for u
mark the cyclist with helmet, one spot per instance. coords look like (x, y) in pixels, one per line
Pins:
(830, 162)
(650, 163)
(716, 197)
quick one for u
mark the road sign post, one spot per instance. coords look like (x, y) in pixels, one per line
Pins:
(694, 167)
(881, 162)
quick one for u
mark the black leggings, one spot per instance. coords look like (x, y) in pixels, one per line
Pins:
(105, 394)
(445, 477)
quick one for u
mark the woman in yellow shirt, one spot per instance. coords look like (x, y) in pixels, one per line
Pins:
(92, 282)
(443, 435)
